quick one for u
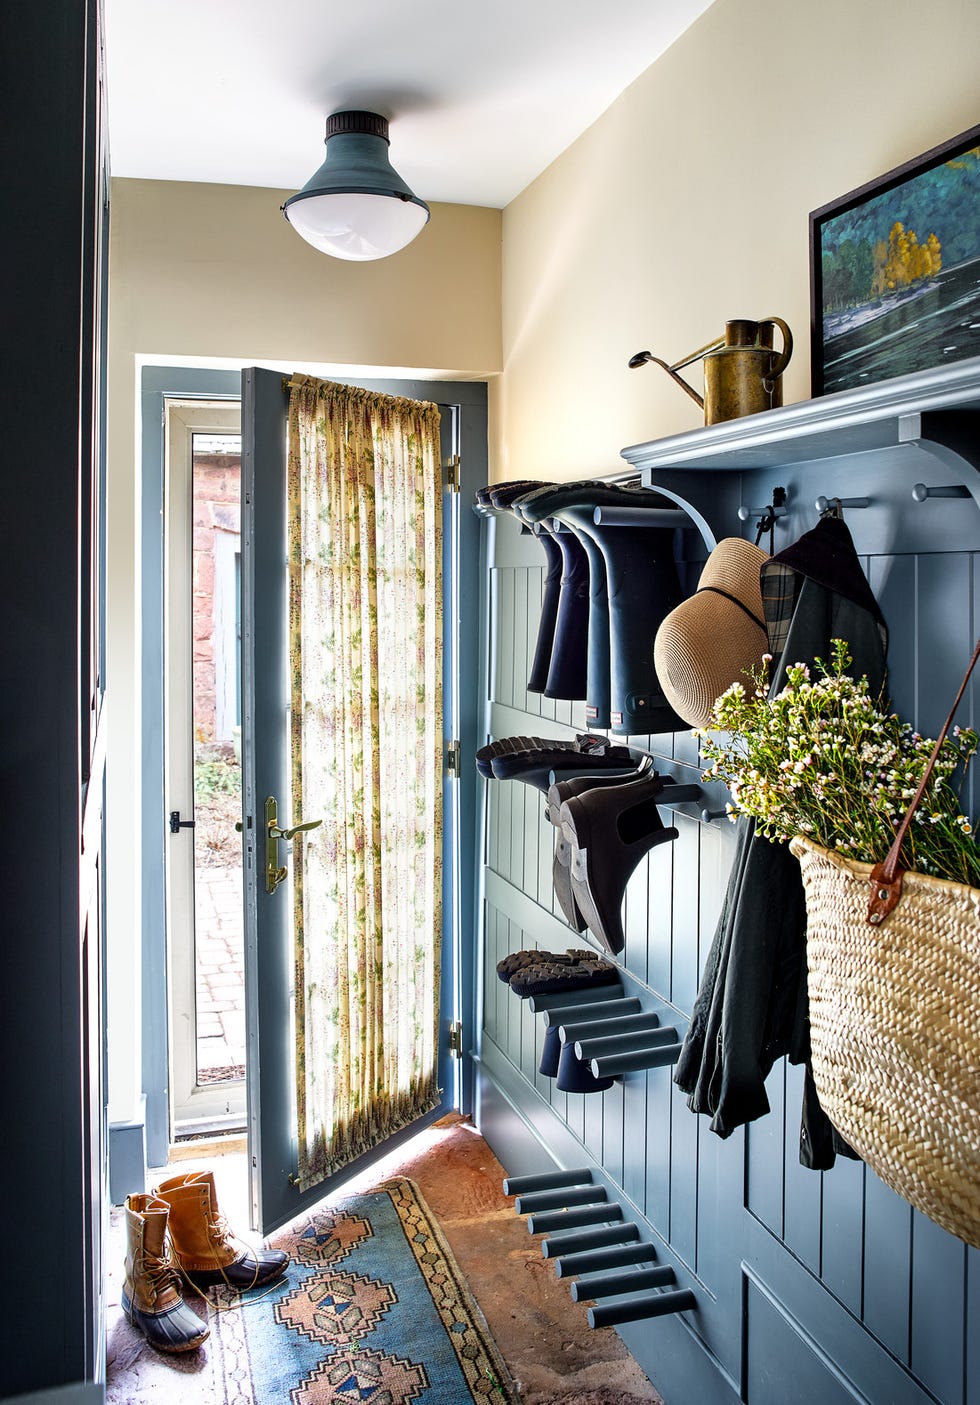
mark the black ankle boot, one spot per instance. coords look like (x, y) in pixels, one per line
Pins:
(561, 870)
(609, 830)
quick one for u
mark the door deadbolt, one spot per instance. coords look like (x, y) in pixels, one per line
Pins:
(274, 872)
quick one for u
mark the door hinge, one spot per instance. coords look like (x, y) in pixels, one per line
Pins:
(456, 1039)
(452, 474)
(453, 759)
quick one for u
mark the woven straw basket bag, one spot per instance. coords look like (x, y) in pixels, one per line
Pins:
(893, 973)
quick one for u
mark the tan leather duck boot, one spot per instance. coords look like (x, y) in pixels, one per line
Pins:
(151, 1296)
(204, 1247)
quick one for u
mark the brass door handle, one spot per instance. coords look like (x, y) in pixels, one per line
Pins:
(287, 834)
(274, 871)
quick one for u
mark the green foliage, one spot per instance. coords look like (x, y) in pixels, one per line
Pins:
(822, 759)
(215, 773)
(847, 275)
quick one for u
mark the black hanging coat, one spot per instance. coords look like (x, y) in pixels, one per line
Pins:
(752, 1006)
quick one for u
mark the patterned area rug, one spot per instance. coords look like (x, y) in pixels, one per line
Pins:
(373, 1309)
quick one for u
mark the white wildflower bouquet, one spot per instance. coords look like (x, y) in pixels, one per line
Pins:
(822, 759)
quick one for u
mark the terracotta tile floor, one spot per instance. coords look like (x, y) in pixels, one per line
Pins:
(553, 1355)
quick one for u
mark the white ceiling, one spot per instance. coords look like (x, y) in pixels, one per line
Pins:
(481, 96)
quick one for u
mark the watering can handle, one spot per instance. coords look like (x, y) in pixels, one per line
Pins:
(782, 360)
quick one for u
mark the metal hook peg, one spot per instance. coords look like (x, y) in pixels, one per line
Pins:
(744, 513)
(774, 509)
(949, 490)
(708, 815)
(822, 504)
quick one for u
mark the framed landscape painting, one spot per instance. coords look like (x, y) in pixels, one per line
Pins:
(895, 271)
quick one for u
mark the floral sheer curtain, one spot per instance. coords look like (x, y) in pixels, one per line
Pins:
(365, 546)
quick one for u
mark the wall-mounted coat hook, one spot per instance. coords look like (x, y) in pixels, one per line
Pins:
(708, 815)
(948, 490)
(823, 504)
(745, 513)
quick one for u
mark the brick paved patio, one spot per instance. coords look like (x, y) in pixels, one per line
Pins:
(220, 973)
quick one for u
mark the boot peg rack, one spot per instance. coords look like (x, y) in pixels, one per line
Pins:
(609, 1265)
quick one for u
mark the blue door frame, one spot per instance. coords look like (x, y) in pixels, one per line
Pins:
(159, 383)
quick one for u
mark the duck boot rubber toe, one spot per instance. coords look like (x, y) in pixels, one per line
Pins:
(204, 1247)
(151, 1295)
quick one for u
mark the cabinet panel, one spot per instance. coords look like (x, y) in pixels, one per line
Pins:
(781, 1364)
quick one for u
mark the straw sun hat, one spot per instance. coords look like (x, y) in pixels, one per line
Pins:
(706, 643)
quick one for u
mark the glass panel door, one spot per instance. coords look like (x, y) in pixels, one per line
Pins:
(203, 750)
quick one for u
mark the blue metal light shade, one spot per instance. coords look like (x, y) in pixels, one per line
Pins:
(356, 206)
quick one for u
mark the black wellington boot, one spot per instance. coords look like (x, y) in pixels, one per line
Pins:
(506, 497)
(642, 585)
(578, 519)
(537, 678)
(568, 670)
(501, 496)
(610, 829)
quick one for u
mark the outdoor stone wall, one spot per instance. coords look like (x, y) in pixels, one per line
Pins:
(217, 517)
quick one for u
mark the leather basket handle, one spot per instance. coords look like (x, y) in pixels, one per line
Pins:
(886, 877)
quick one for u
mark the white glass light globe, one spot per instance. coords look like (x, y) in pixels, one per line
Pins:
(349, 225)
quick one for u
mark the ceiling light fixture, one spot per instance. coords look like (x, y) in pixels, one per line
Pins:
(356, 206)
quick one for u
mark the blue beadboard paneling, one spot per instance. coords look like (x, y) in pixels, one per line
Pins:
(660, 887)
(803, 1188)
(683, 1132)
(842, 1232)
(658, 1143)
(765, 1140)
(887, 1266)
(938, 1309)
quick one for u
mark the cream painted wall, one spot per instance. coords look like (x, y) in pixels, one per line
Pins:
(687, 204)
(200, 274)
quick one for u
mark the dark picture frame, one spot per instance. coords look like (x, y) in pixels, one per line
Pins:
(895, 271)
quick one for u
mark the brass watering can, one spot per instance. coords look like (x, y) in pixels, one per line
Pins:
(742, 371)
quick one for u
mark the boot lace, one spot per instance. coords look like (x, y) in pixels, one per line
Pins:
(159, 1273)
(222, 1238)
